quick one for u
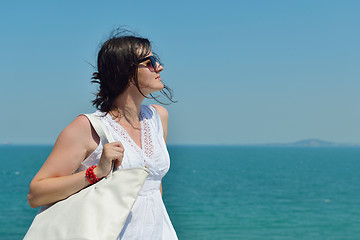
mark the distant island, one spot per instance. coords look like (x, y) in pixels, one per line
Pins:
(313, 143)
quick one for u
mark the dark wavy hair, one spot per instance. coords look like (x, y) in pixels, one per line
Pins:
(117, 64)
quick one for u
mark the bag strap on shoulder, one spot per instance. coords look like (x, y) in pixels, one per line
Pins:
(100, 128)
(103, 133)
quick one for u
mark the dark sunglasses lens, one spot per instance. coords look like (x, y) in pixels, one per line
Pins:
(153, 61)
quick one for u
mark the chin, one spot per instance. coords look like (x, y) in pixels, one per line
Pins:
(160, 87)
(154, 89)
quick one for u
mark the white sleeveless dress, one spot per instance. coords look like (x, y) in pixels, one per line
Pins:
(148, 218)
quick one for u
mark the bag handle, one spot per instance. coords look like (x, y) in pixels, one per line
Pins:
(103, 133)
(100, 128)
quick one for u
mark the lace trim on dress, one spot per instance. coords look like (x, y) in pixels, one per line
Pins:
(146, 136)
(148, 144)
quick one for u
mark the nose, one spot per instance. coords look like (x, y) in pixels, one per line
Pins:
(159, 67)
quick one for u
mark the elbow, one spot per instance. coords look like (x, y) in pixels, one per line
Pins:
(32, 197)
(32, 200)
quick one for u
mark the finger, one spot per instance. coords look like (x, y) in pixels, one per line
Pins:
(117, 163)
(119, 149)
(117, 159)
(117, 144)
(119, 153)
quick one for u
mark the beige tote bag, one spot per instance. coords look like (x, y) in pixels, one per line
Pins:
(97, 212)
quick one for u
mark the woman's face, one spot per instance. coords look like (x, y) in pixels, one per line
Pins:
(149, 76)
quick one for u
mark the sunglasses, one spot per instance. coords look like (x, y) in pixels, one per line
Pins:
(152, 59)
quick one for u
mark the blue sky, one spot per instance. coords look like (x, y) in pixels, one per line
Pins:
(243, 72)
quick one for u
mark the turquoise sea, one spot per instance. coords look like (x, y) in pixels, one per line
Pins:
(216, 192)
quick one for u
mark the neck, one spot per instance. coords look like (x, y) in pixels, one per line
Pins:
(128, 106)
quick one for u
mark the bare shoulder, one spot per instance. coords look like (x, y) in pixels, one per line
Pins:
(164, 115)
(80, 127)
(78, 134)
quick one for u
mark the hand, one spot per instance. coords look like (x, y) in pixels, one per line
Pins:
(111, 152)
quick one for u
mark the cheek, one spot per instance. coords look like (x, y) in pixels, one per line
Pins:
(141, 75)
(144, 78)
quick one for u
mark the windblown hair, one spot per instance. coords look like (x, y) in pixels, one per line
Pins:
(117, 66)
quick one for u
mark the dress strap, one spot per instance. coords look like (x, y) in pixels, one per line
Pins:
(100, 128)
(156, 120)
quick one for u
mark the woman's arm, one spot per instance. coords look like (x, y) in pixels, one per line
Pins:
(55, 180)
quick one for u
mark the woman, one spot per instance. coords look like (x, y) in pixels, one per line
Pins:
(127, 73)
